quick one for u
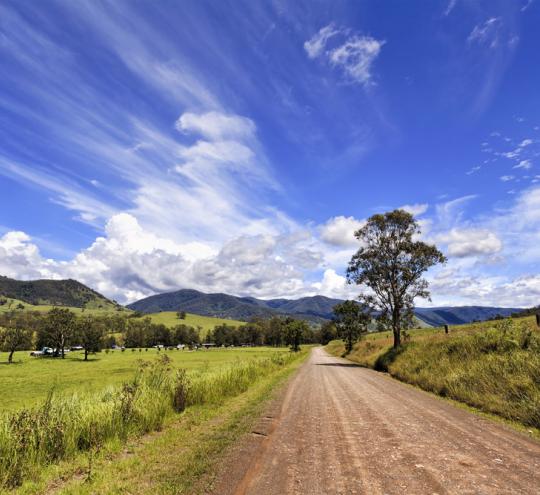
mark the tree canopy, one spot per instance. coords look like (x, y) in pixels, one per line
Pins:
(351, 322)
(390, 263)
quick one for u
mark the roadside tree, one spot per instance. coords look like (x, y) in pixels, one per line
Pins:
(390, 263)
(351, 322)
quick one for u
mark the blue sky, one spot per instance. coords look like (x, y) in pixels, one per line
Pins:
(235, 146)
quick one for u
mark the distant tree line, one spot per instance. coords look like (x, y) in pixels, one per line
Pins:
(60, 329)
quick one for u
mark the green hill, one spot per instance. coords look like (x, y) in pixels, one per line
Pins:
(54, 293)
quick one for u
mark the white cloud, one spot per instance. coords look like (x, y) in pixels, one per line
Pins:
(525, 164)
(354, 55)
(486, 33)
(470, 242)
(416, 209)
(316, 45)
(339, 231)
(451, 5)
(216, 125)
(130, 262)
(506, 178)
(473, 170)
(335, 286)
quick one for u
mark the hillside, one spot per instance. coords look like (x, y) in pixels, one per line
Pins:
(54, 293)
(459, 315)
(315, 308)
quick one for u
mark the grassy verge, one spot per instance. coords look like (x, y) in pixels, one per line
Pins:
(36, 441)
(493, 367)
(188, 449)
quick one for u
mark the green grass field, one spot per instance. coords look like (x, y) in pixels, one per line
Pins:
(28, 381)
(206, 323)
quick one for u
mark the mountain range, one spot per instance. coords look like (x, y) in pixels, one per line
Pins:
(315, 308)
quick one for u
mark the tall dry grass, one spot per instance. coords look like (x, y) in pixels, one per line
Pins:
(65, 425)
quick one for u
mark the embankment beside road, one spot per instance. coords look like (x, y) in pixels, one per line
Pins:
(493, 366)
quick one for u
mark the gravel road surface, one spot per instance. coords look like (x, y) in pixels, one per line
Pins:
(343, 429)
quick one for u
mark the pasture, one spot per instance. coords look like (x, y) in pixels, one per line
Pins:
(28, 381)
(204, 323)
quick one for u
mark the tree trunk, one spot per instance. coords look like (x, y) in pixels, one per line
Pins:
(10, 358)
(396, 328)
(63, 355)
(85, 355)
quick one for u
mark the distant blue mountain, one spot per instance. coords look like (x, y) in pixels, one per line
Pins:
(315, 308)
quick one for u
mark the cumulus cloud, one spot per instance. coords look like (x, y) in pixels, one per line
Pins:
(354, 54)
(340, 230)
(129, 262)
(470, 242)
(335, 286)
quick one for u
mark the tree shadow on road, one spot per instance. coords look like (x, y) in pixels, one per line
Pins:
(343, 365)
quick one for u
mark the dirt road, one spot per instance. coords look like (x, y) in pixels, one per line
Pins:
(343, 429)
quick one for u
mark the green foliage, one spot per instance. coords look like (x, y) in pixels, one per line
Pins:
(90, 334)
(391, 263)
(57, 330)
(15, 334)
(327, 332)
(295, 332)
(63, 426)
(351, 321)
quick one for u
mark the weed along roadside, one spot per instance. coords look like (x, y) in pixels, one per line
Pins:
(64, 427)
(493, 366)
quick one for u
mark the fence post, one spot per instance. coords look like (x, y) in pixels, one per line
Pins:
(538, 319)
(446, 330)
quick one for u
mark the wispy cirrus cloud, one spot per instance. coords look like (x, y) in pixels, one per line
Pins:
(354, 55)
